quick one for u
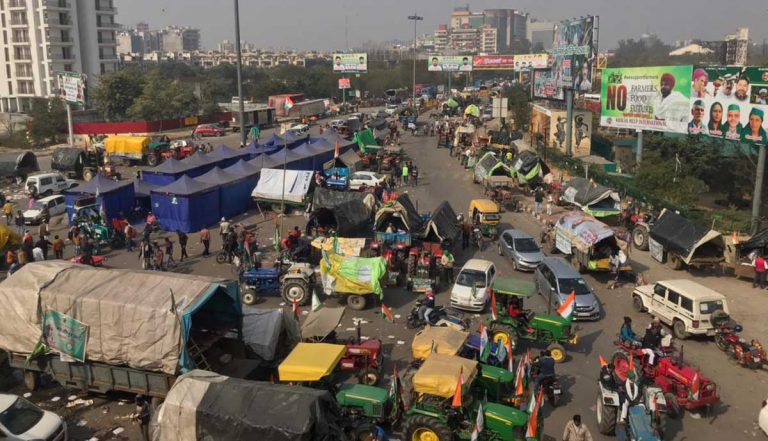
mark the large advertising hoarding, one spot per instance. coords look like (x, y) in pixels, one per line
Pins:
(646, 98)
(551, 124)
(350, 63)
(446, 63)
(730, 103)
(532, 61)
(71, 87)
(493, 62)
(544, 86)
(573, 53)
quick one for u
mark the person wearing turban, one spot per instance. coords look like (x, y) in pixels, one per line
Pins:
(762, 97)
(716, 124)
(733, 126)
(696, 125)
(699, 85)
(754, 130)
(669, 105)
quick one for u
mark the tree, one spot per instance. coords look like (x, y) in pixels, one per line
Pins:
(520, 107)
(116, 93)
(669, 181)
(49, 120)
(180, 101)
(151, 104)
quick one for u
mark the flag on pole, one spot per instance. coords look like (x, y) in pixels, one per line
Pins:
(395, 387)
(511, 359)
(531, 402)
(631, 364)
(530, 432)
(337, 150)
(288, 103)
(386, 313)
(603, 363)
(483, 354)
(277, 236)
(316, 303)
(696, 386)
(296, 311)
(501, 352)
(456, 402)
(519, 378)
(568, 307)
(479, 423)
(528, 363)
(494, 312)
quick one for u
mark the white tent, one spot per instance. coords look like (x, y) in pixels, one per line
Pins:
(272, 186)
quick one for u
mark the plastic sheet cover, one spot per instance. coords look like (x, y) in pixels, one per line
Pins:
(441, 340)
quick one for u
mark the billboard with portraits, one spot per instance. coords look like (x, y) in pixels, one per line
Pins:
(449, 63)
(544, 86)
(574, 51)
(350, 63)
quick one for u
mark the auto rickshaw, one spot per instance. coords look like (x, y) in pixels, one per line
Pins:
(485, 214)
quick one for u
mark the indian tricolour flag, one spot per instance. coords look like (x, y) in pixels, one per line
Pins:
(483, 343)
(567, 309)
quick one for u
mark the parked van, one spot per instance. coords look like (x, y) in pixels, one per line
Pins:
(688, 307)
(555, 279)
(48, 183)
(470, 292)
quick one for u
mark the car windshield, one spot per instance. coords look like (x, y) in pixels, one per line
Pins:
(38, 206)
(471, 278)
(711, 306)
(526, 245)
(21, 416)
(577, 285)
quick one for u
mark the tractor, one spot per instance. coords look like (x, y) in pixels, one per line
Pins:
(643, 421)
(293, 284)
(513, 323)
(422, 267)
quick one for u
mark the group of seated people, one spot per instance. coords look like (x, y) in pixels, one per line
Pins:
(650, 343)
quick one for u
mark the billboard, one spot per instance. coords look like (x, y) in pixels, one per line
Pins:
(71, 87)
(551, 125)
(446, 63)
(65, 334)
(345, 83)
(531, 61)
(730, 103)
(573, 53)
(544, 86)
(646, 98)
(350, 63)
(493, 62)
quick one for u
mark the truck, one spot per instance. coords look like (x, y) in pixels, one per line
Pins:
(131, 331)
(308, 109)
(588, 242)
(137, 149)
(681, 243)
(278, 102)
(77, 163)
(258, 115)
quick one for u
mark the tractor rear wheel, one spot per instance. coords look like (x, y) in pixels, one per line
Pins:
(558, 352)
(249, 296)
(424, 428)
(673, 406)
(153, 159)
(88, 174)
(356, 302)
(640, 238)
(675, 262)
(295, 290)
(31, 380)
(503, 334)
(368, 376)
(606, 417)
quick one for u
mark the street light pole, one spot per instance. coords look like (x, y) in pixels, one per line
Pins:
(239, 74)
(416, 19)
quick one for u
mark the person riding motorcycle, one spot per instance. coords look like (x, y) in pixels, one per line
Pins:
(427, 306)
(546, 369)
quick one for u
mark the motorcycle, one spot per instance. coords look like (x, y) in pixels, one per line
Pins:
(553, 390)
(439, 317)
(477, 238)
(747, 354)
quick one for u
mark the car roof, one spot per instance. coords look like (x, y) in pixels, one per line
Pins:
(691, 289)
(484, 205)
(517, 234)
(477, 264)
(561, 268)
(6, 400)
(49, 198)
(42, 173)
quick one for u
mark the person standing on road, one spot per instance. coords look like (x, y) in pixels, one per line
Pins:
(550, 202)
(405, 173)
(130, 234)
(205, 239)
(43, 244)
(223, 229)
(169, 253)
(145, 254)
(19, 223)
(8, 210)
(447, 261)
(575, 431)
(141, 415)
(58, 247)
(183, 244)
(760, 268)
(538, 198)
(415, 175)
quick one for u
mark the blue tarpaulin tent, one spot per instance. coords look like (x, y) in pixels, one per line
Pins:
(253, 149)
(291, 159)
(198, 163)
(114, 196)
(267, 161)
(246, 169)
(167, 172)
(318, 153)
(186, 205)
(142, 191)
(234, 190)
(288, 139)
(225, 156)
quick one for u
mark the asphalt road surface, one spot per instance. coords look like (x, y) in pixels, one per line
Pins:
(442, 178)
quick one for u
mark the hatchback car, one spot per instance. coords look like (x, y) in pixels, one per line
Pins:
(521, 248)
(365, 177)
(55, 204)
(555, 279)
(21, 420)
(470, 292)
(209, 130)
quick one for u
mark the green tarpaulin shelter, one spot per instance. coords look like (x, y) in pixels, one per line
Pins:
(364, 138)
(472, 110)
(452, 103)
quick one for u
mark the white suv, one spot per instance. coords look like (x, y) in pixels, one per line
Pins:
(470, 292)
(56, 205)
(47, 183)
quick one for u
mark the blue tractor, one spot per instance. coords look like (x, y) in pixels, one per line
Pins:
(293, 283)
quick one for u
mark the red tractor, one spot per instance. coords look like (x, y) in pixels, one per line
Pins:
(684, 387)
(395, 258)
(364, 359)
(422, 272)
(179, 150)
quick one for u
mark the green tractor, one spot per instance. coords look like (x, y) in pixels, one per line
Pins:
(88, 217)
(432, 416)
(514, 323)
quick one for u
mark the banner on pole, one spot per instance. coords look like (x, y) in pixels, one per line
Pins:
(71, 87)
(65, 334)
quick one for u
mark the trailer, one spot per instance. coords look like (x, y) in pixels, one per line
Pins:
(308, 108)
(259, 115)
(681, 243)
(588, 242)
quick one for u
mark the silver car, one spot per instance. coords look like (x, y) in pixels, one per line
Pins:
(555, 279)
(521, 249)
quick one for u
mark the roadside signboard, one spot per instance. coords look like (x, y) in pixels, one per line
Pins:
(71, 87)
(65, 334)
(344, 83)
(493, 62)
(449, 63)
(573, 53)
(350, 63)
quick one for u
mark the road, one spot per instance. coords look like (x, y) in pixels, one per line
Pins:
(442, 178)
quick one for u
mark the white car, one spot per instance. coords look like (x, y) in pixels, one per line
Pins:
(336, 123)
(56, 206)
(762, 418)
(299, 129)
(470, 292)
(391, 109)
(365, 177)
(47, 183)
(21, 420)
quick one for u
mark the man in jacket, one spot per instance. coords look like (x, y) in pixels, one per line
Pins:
(575, 431)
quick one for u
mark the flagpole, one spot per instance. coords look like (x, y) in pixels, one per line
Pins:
(285, 161)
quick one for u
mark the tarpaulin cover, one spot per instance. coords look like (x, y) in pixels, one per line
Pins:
(352, 214)
(168, 171)
(67, 159)
(352, 160)
(203, 405)
(262, 329)
(8, 237)
(402, 207)
(265, 161)
(582, 229)
(226, 156)
(255, 149)
(234, 190)
(451, 103)
(345, 246)
(310, 361)
(186, 205)
(352, 275)
(288, 139)
(243, 168)
(679, 235)
(331, 136)
(322, 322)
(442, 223)
(491, 165)
(440, 340)
(131, 316)
(440, 373)
(756, 242)
(142, 189)
(18, 164)
(315, 153)
(114, 196)
(472, 110)
(378, 123)
(585, 193)
(292, 160)
(364, 138)
(270, 186)
(528, 166)
(198, 164)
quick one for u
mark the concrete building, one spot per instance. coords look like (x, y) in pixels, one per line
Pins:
(489, 39)
(442, 38)
(736, 47)
(510, 24)
(226, 46)
(42, 38)
(179, 39)
(470, 31)
(541, 32)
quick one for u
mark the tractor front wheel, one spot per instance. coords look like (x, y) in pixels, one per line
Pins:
(673, 406)
(296, 291)
(606, 417)
(249, 296)
(425, 428)
(503, 334)
(356, 302)
(558, 352)
(369, 377)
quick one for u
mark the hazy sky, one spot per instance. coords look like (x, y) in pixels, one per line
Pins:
(305, 24)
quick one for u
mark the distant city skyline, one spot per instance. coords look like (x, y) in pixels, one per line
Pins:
(304, 25)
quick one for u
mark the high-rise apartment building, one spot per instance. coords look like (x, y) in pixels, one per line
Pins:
(736, 47)
(541, 33)
(42, 37)
(470, 31)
